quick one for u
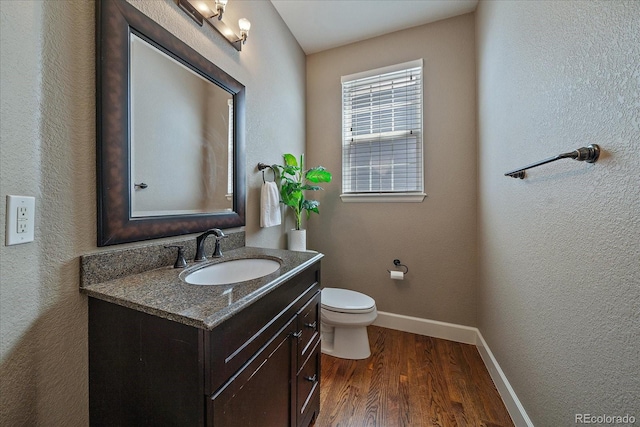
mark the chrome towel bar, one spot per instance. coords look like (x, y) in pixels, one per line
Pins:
(588, 154)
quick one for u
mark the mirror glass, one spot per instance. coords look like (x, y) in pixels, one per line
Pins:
(170, 156)
(182, 156)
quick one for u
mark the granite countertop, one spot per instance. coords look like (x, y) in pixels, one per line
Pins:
(162, 293)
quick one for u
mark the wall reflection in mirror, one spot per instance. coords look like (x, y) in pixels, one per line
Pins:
(181, 137)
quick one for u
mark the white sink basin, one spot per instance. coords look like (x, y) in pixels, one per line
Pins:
(237, 270)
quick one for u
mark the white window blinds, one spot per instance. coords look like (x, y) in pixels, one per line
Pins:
(382, 131)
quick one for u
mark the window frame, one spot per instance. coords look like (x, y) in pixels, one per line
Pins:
(390, 195)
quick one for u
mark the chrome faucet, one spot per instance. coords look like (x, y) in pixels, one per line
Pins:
(217, 252)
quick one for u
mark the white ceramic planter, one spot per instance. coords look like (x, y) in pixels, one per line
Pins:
(297, 240)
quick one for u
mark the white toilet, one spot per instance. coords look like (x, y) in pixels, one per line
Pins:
(345, 316)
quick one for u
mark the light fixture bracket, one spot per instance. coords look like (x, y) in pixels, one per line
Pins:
(219, 25)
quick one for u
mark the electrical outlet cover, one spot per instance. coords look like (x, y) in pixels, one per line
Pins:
(20, 215)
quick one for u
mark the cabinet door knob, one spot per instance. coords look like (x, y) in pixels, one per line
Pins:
(296, 334)
(312, 379)
(311, 325)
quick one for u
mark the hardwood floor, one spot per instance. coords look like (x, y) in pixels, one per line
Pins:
(409, 381)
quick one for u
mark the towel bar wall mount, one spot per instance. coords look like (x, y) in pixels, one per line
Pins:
(588, 154)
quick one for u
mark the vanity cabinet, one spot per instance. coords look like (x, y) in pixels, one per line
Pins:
(260, 367)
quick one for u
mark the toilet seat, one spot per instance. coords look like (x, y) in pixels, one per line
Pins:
(346, 301)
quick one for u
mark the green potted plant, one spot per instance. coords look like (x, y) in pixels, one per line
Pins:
(294, 181)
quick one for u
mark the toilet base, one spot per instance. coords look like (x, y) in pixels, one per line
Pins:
(345, 342)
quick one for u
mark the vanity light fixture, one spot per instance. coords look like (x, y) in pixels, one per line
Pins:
(201, 11)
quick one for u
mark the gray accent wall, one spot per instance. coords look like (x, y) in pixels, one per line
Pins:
(559, 295)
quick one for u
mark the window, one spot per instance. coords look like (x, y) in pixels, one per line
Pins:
(382, 134)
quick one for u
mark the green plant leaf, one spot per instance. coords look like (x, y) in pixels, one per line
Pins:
(318, 174)
(289, 175)
(311, 206)
(290, 160)
(292, 199)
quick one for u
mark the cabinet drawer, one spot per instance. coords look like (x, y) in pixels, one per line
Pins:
(308, 325)
(308, 390)
(236, 340)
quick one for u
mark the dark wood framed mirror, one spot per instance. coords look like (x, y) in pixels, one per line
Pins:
(163, 149)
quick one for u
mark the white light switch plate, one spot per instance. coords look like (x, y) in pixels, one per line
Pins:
(21, 214)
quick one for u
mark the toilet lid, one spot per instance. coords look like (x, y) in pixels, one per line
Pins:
(346, 301)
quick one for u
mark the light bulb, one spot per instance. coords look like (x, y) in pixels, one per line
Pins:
(244, 25)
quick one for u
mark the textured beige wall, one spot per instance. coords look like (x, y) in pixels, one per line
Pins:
(559, 302)
(436, 239)
(47, 150)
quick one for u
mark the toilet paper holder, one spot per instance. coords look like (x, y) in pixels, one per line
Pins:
(398, 264)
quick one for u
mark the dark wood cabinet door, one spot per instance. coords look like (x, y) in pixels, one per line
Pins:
(143, 370)
(261, 393)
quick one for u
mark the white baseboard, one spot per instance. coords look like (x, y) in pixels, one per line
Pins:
(466, 335)
(431, 328)
(516, 410)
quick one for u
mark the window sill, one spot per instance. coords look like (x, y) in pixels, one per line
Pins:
(383, 198)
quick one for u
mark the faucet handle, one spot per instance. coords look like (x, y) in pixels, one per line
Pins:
(180, 261)
(217, 250)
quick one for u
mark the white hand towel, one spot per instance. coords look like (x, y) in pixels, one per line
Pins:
(269, 205)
